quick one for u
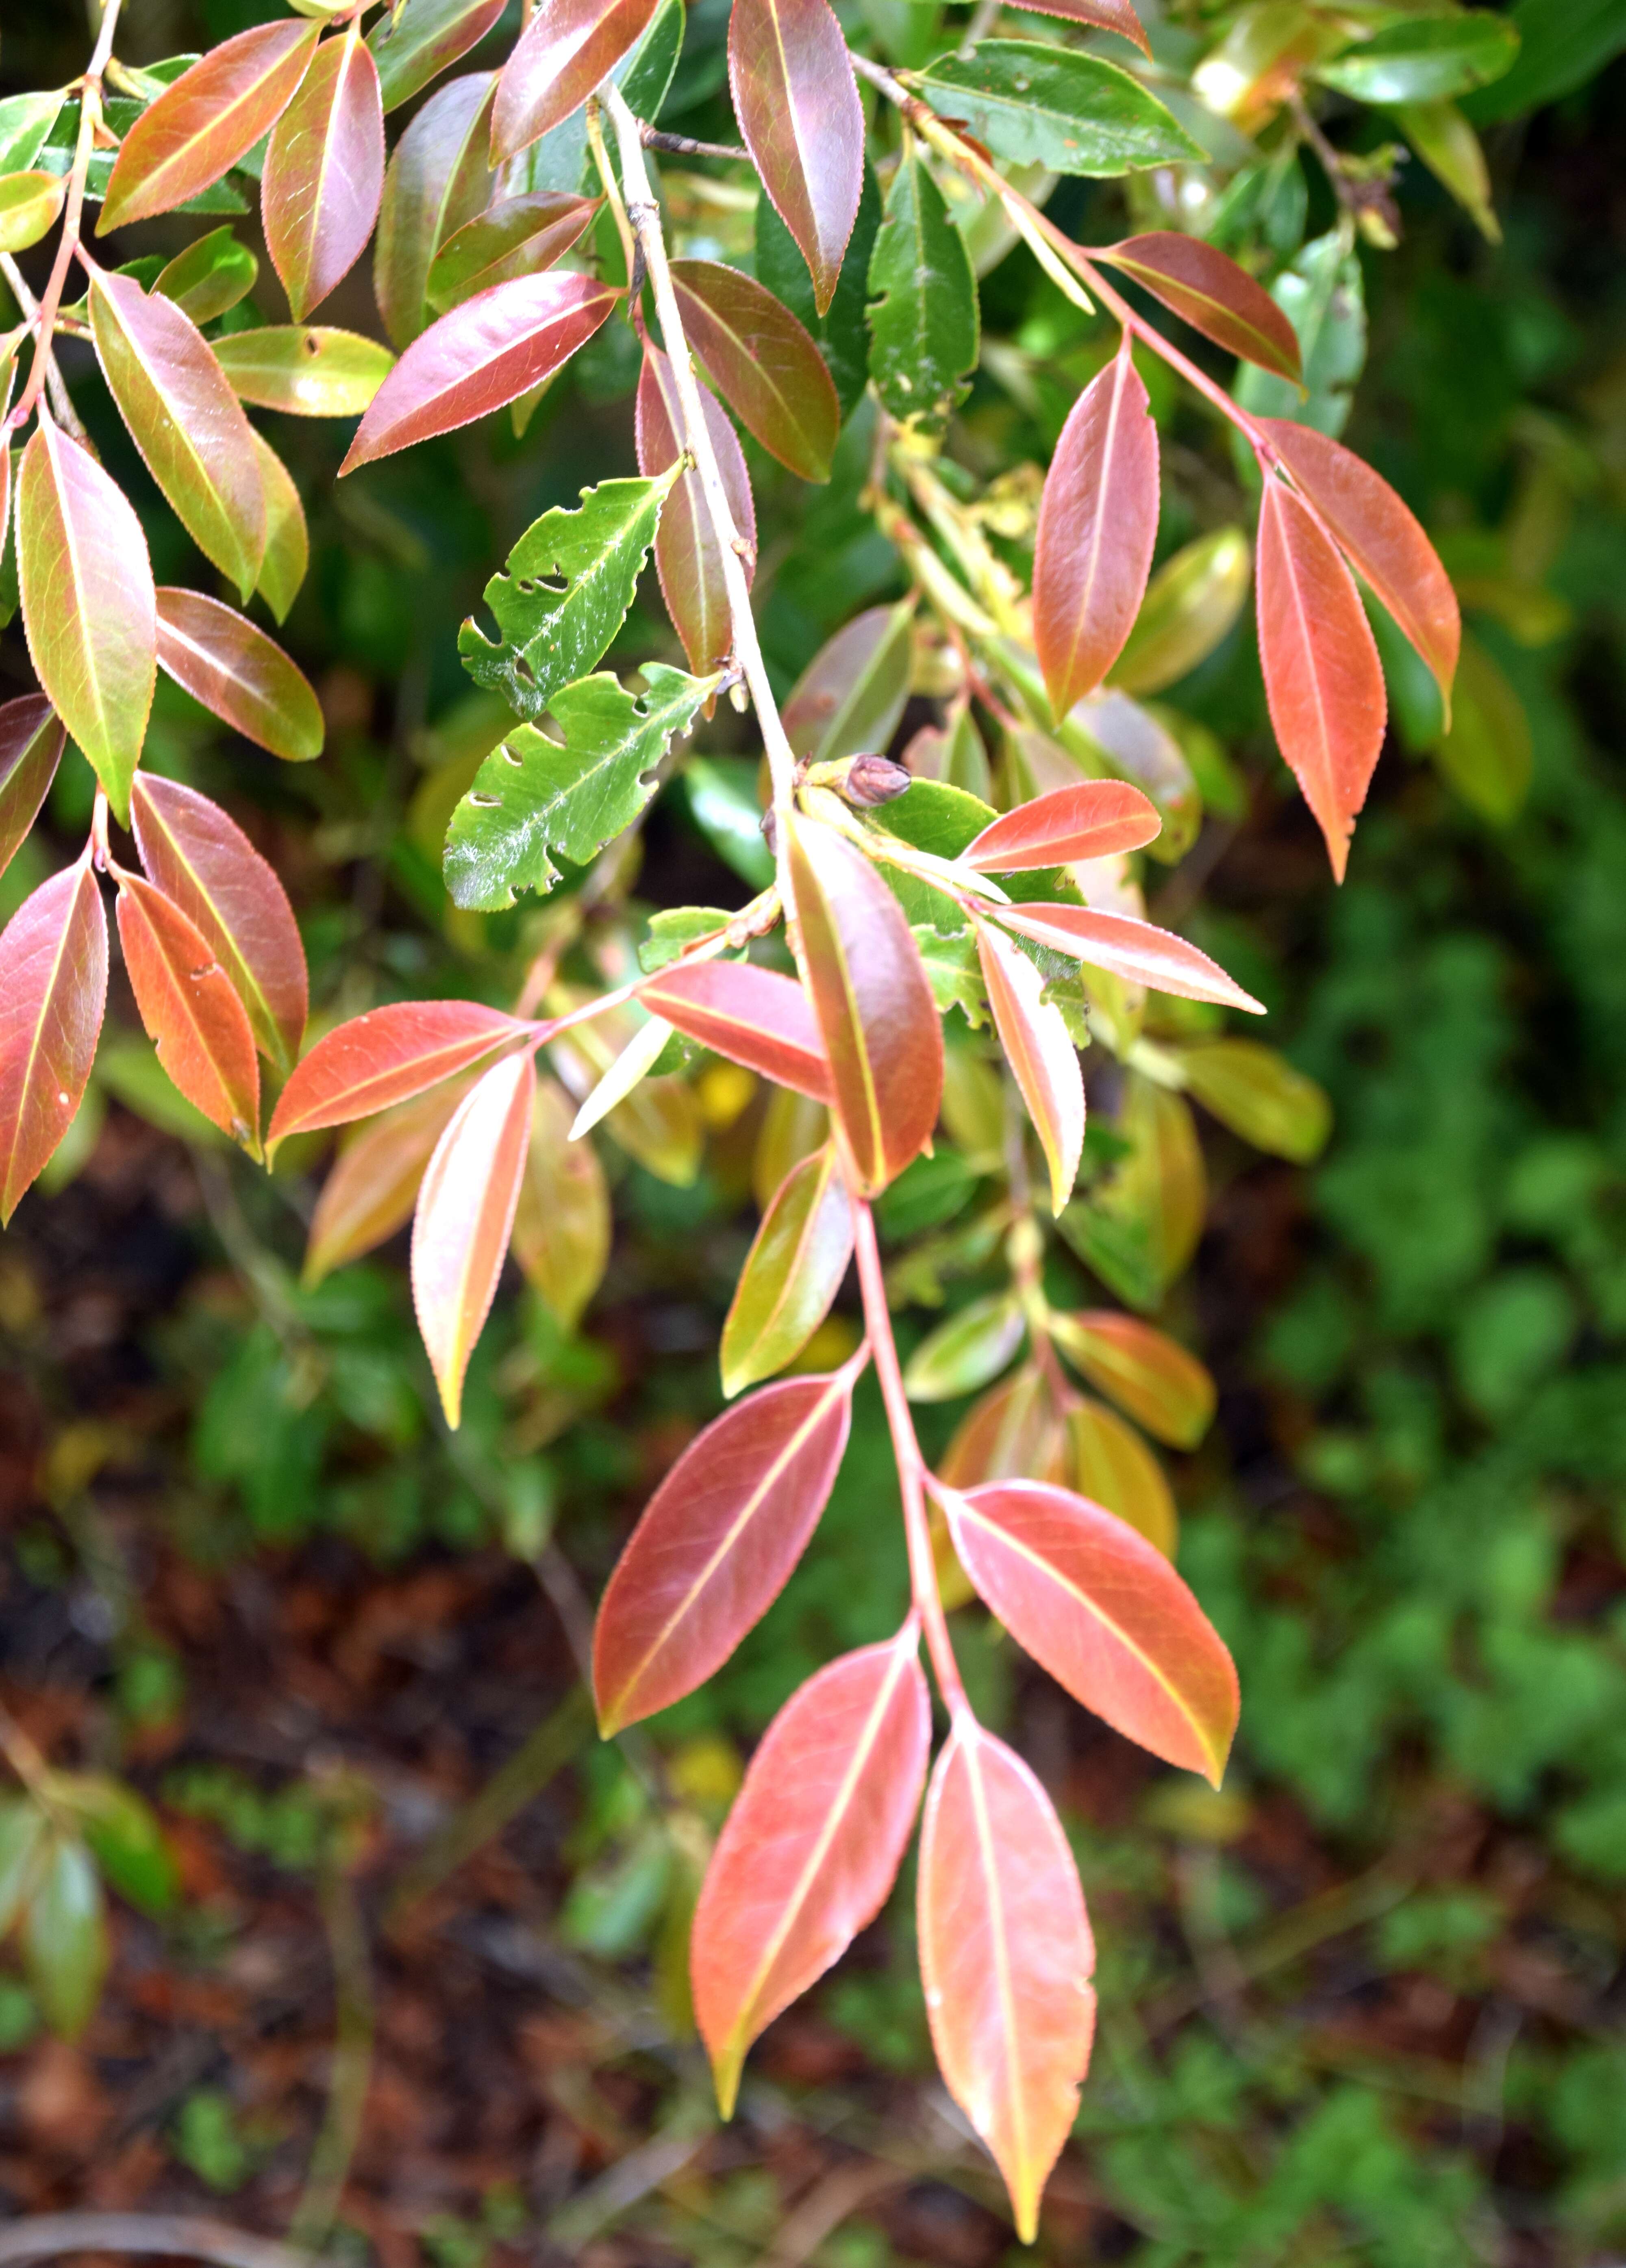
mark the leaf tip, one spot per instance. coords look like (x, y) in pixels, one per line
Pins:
(726, 2067)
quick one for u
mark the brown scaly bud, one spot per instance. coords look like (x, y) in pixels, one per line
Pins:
(874, 779)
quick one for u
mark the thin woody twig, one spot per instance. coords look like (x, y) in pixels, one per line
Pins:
(684, 145)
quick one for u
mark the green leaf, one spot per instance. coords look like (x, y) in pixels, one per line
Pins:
(26, 120)
(842, 336)
(723, 804)
(65, 1937)
(124, 1837)
(949, 958)
(1425, 58)
(1560, 49)
(923, 316)
(210, 276)
(565, 593)
(1324, 299)
(22, 1829)
(1488, 754)
(1259, 1095)
(968, 1351)
(673, 928)
(1054, 106)
(533, 795)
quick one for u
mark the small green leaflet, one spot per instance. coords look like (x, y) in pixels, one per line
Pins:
(1053, 106)
(533, 795)
(949, 958)
(840, 335)
(565, 593)
(923, 305)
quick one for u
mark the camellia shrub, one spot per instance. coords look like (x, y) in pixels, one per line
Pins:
(947, 943)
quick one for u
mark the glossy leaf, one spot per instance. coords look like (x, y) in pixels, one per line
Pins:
(287, 539)
(211, 116)
(32, 738)
(1102, 15)
(25, 120)
(465, 1215)
(1040, 1051)
(484, 354)
(1454, 153)
(306, 370)
(799, 112)
(1379, 537)
(416, 41)
(1098, 819)
(88, 603)
(1211, 293)
(1425, 58)
(1190, 605)
(562, 1225)
(212, 274)
(564, 593)
(872, 1004)
(1108, 1462)
(1098, 523)
(519, 237)
(753, 1016)
(565, 51)
(1143, 1371)
(658, 1123)
(324, 173)
(631, 1067)
(385, 1057)
(812, 1846)
(534, 796)
(204, 864)
(763, 363)
(792, 1273)
(841, 335)
(972, 1347)
(52, 990)
(30, 205)
(1005, 1957)
(1323, 680)
(687, 558)
(923, 318)
(1103, 1611)
(438, 179)
(373, 1185)
(1056, 107)
(1137, 950)
(224, 660)
(193, 1015)
(852, 692)
(1259, 1095)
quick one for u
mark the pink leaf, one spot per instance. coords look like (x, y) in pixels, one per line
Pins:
(53, 991)
(464, 1217)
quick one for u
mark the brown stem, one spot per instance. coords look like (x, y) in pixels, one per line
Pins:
(684, 145)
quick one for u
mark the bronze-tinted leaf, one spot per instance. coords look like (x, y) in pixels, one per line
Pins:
(1098, 819)
(1137, 950)
(792, 1275)
(852, 692)
(212, 115)
(1013, 1433)
(1098, 523)
(1005, 1957)
(383, 1058)
(1212, 294)
(1143, 1370)
(751, 1015)
(465, 1215)
(1108, 1462)
(438, 179)
(873, 1004)
(687, 558)
(228, 663)
(763, 363)
(812, 1846)
(562, 1225)
(717, 1545)
(1323, 680)
(324, 172)
(52, 990)
(414, 41)
(564, 52)
(192, 1013)
(800, 112)
(32, 737)
(373, 1185)
(1102, 15)
(1041, 1053)
(521, 236)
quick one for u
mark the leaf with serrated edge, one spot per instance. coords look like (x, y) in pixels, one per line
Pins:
(563, 592)
(1042, 1058)
(305, 370)
(287, 539)
(228, 663)
(193, 1015)
(565, 51)
(1098, 819)
(439, 178)
(1051, 105)
(534, 796)
(383, 1058)
(519, 237)
(763, 363)
(792, 1275)
(799, 109)
(1103, 1611)
(753, 1016)
(1143, 1370)
(1102, 15)
(687, 559)
(211, 116)
(1211, 293)
(53, 991)
(203, 863)
(812, 1846)
(414, 42)
(465, 1215)
(924, 315)
(1005, 1957)
(373, 1185)
(88, 604)
(32, 738)
(1138, 950)
(717, 1545)
(324, 172)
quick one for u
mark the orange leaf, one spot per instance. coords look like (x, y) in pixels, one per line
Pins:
(373, 1185)
(1138, 950)
(751, 1015)
(565, 50)
(1095, 819)
(193, 1017)
(465, 1214)
(687, 558)
(1144, 1370)
(53, 991)
(1212, 294)
(1040, 1051)
(385, 1057)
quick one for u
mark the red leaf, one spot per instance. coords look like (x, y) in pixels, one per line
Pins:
(1379, 537)
(1323, 680)
(1136, 949)
(763, 363)
(324, 172)
(1104, 1612)
(211, 116)
(520, 236)
(1041, 1054)
(52, 990)
(484, 354)
(687, 558)
(32, 737)
(800, 112)
(1097, 522)
(228, 663)
(438, 179)
(751, 1015)
(568, 48)
(373, 1185)
(717, 1545)
(1006, 1957)
(204, 864)
(812, 1846)
(1092, 821)
(1104, 15)
(193, 1017)
(873, 1004)
(464, 1217)
(1212, 294)
(384, 1057)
